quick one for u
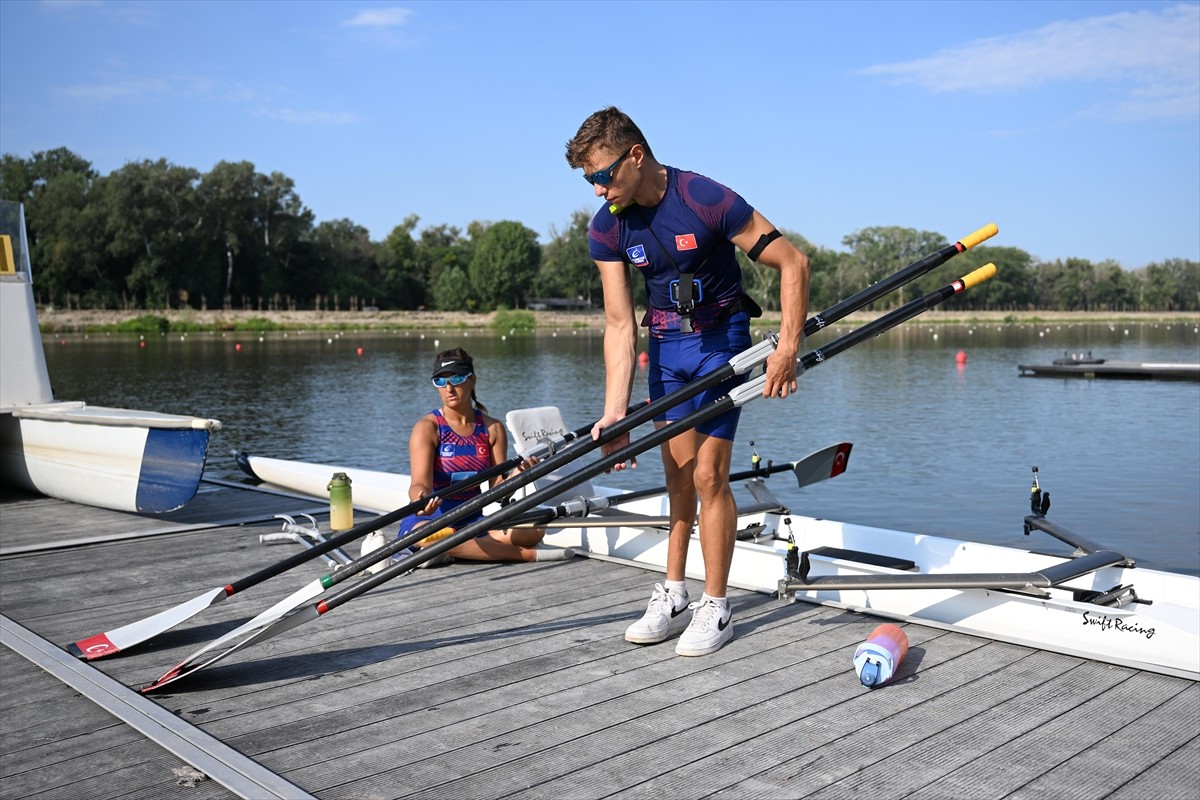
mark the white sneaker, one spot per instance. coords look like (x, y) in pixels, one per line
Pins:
(711, 627)
(663, 619)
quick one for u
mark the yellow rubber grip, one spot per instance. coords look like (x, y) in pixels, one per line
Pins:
(979, 276)
(981, 235)
(436, 536)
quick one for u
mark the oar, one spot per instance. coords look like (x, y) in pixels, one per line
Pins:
(738, 397)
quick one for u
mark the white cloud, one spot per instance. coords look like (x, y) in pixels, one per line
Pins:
(294, 117)
(1150, 59)
(121, 89)
(379, 18)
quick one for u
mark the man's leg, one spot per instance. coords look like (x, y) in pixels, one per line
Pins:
(712, 620)
(665, 614)
(718, 511)
(679, 466)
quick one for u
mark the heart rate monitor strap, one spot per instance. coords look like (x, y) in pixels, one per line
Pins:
(762, 243)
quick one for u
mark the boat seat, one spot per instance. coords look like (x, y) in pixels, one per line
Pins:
(861, 557)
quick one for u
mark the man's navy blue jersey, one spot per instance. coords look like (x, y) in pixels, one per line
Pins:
(687, 232)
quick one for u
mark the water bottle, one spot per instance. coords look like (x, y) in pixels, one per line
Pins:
(341, 506)
(877, 659)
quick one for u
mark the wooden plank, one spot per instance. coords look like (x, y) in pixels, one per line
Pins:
(1128, 749)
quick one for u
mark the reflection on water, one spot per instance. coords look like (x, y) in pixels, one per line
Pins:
(939, 447)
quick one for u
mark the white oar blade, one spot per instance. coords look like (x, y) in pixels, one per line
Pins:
(823, 464)
(263, 620)
(125, 637)
(185, 669)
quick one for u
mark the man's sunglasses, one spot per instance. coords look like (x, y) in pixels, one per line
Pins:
(454, 380)
(604, 176)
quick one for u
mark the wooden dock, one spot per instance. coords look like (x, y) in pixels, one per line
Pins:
(514, 681)
(1124, 370)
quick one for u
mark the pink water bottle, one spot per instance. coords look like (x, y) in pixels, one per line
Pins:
(877, 659)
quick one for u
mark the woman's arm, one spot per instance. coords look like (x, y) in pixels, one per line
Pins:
(422, 452)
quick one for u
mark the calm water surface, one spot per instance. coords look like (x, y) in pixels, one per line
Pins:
(939, 447)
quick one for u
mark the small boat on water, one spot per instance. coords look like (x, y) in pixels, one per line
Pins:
(1095, 603)
(123, 459)
(1085, 365)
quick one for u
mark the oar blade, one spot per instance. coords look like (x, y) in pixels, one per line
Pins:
(118, 639)
(190, 666)
(823, 464)
(264, 620)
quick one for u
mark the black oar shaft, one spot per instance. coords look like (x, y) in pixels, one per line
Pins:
(742, 395)
(889, 284)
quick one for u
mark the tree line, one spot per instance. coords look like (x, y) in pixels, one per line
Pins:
(155, 235)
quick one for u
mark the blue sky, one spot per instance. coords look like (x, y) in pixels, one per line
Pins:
(1075, 126)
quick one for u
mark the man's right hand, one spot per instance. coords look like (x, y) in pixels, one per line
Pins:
(610, 447)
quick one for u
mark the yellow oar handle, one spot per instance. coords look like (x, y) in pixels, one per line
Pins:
(436, 536)
(978, 276)
(983, 234)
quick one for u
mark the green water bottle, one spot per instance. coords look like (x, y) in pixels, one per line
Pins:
(341, 505)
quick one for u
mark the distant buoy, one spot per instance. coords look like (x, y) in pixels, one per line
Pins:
(643, 358)
(360, 351)
(960, 357)
(141, 344)
(238, 347)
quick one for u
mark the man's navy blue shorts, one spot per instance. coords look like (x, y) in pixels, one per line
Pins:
(677, 359)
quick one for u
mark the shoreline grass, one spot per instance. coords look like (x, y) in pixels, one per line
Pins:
(500, 322)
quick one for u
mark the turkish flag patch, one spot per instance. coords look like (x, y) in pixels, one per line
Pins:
(481, 450)
(686, 241)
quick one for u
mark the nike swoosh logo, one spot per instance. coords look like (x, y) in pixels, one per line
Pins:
(445, 363)
(675, 612)
(723, 624)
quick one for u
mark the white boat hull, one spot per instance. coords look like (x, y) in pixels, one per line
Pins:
(1160, 634)
(125, 460)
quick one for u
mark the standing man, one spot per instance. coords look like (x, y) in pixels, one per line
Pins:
(679, 230)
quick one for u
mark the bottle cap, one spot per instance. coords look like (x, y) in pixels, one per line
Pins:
(870, 674)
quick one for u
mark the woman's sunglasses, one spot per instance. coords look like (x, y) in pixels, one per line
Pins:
(454, 380)
(604, 176)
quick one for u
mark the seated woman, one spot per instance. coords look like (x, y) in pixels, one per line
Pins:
(455, 442)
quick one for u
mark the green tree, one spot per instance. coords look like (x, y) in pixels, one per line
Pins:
(506, 259)
(149, 214)
(348, 259)
(404, 273)
(452, 292)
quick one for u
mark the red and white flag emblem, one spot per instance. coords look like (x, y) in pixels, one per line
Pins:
(686, 241)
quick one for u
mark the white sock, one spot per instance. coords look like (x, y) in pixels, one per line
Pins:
(723, 602)
(678, 587)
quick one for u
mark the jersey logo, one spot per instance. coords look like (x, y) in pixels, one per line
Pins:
(447, 451)
(637, 255)
(686, 241)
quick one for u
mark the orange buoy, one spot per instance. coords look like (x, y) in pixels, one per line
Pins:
(961, 357)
